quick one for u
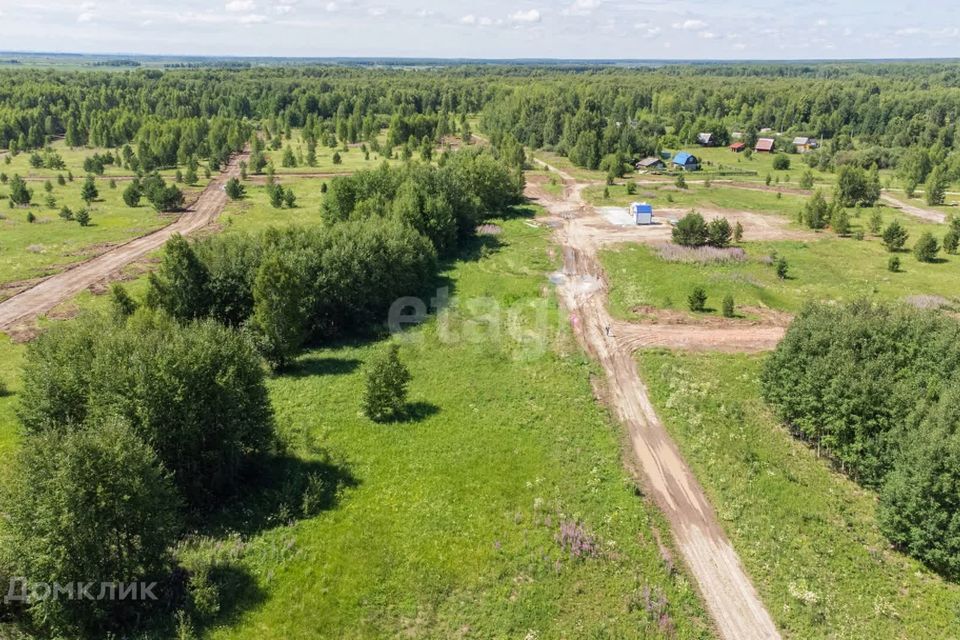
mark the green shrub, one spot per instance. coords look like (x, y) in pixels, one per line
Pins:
(781, 162)
(782, 268)
(385, 393)
(719, 233)
(697, 300)
(926, 248)
(89, 504)
(728, 306)
(195, 392)
(893, 264)
(950, 241)
(690, 230)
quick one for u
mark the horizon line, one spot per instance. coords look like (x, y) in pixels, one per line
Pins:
(380, 57)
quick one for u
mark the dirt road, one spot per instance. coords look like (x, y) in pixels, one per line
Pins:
(924, 214)
(34, 302)
(728, 592)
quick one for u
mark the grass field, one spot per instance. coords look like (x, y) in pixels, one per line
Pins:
(451, 527)
(352, 159)
(717, 196)
(806, 534)
(73, 157)
(254, 212)
(826, 268)
(30, 250)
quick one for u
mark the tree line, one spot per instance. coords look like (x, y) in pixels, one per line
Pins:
(875, 388)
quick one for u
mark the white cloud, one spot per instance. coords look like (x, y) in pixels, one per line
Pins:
(332, 6)
(581, 7)
(740, 46)
(647, 29)
(376, 12)
(468, 19)
(707, 35)
(822, 22)
(86, 16)
(283, 9)
(690, 25)
(239, 6)
(525, 16)
(946, 32)
(193, 17)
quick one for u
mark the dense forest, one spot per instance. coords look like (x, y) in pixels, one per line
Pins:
(901, 116)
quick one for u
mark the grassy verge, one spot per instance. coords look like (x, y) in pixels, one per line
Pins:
(806, 534)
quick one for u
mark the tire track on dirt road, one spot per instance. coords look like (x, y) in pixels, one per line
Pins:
(34, 302)
(727, 591)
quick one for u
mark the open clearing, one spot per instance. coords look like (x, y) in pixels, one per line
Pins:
(24, 307)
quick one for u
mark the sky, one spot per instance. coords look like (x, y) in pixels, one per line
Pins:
(567, 29)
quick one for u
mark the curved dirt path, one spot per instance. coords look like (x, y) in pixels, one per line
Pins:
(924, 214)
(48, 293)
(727, 590)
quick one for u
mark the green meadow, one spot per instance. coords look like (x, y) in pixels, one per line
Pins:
(45, 246)
(826, 267)
(447, 524)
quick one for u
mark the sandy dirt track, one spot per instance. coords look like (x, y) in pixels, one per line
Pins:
(727, 590)
(26, 306)
(924, 214)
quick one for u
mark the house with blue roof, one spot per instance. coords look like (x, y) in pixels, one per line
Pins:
(686, 161)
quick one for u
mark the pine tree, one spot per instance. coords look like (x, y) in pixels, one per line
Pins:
(179, 286)
(88, 192)
(82, 217)
(19, 193)
(895, 236)
(936, 187)
(385, 395)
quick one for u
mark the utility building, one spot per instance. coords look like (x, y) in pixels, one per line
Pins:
(642, 212)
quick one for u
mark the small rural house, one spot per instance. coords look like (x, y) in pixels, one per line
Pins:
(764, 145)
(737, 147)
(705, 139)
(686, 161)
(803, 144)
(653, 163)
(642, 212)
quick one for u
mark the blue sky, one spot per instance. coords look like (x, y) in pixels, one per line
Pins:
(676, 29)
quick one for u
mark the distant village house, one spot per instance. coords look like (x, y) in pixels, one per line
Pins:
(764, 145)
(803, 144)
(686, 161)
(705, 139)
(737, 147)
(652, 163)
